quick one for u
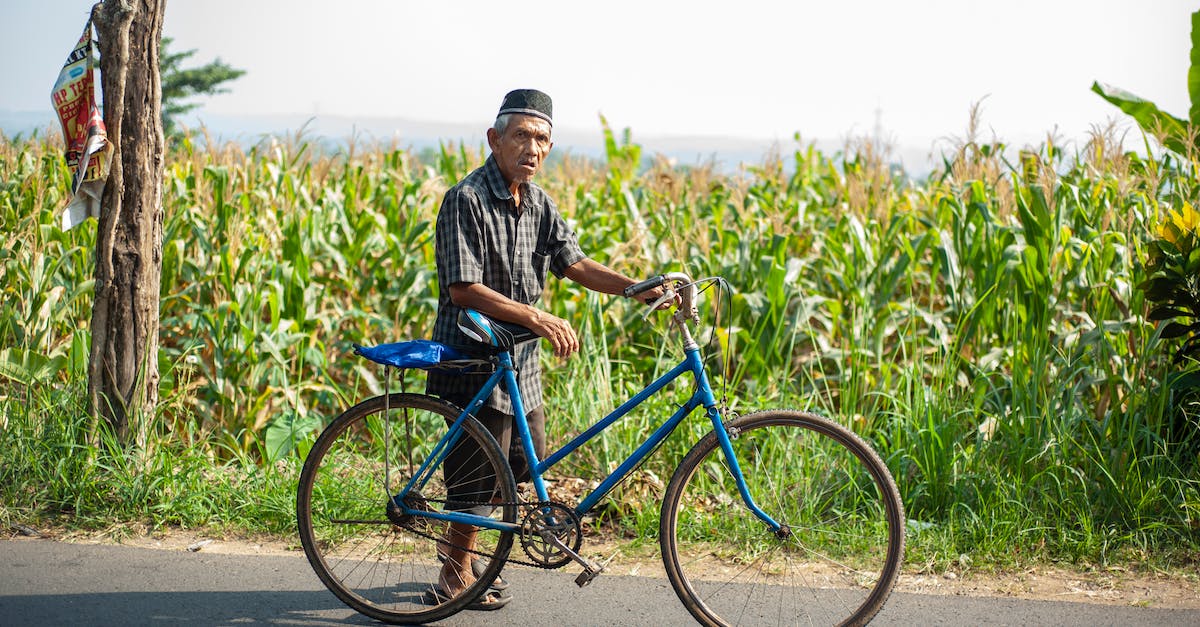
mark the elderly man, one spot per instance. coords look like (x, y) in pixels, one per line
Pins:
(498, 235)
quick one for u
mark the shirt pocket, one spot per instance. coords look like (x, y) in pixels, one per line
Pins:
(533, 279)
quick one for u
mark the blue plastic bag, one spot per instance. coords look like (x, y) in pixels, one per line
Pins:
(410, 354)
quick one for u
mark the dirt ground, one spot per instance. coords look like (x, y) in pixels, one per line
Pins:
(1114, 585)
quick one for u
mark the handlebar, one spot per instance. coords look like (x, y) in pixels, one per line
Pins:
(677, 287)
(642, 286)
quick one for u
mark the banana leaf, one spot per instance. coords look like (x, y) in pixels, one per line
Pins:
(1170, 129)
(1175, 133)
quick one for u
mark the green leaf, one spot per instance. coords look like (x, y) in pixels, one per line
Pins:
(1174, 330)
(286, 431)
(1148, 116)
(1166, 313)
(1184, 381)
(77, 358)
(1159, 289)
(1193, 77)
(29, 367)
(1190, 348)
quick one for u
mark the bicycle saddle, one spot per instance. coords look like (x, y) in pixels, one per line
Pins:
(500, 335)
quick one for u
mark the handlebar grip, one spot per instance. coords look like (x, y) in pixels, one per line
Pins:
(648, 284)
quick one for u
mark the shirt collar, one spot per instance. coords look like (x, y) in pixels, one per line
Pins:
(495, 179)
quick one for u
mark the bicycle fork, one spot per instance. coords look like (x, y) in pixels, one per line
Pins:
(704, 395)
(725, 436)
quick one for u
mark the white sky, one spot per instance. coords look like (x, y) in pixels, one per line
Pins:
(681, 68)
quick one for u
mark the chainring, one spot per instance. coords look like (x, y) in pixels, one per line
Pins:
(560, 521)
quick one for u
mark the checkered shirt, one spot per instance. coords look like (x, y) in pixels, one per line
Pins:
(482, 237)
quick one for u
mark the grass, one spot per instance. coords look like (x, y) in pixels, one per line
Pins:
(56, 473)
(982, 328)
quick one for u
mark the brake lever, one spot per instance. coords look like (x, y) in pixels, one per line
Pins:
(668, 295)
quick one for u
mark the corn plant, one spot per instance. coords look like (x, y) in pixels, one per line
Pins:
(981, 327)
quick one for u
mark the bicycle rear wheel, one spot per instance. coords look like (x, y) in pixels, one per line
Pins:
(845, 541)
(377, 561)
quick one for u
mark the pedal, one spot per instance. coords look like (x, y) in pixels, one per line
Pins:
(589, 573)
(591, 570)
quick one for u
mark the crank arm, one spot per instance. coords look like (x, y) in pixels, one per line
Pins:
(591, 570)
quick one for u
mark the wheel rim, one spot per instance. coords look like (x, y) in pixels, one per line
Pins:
(838, 563)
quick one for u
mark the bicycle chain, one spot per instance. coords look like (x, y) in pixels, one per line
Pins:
(510, 560)
(728, 415)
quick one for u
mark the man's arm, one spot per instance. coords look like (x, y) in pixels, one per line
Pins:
(597, 277)
(587, 272)
(600, 278)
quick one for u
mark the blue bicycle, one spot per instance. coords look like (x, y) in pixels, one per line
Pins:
(775, 517)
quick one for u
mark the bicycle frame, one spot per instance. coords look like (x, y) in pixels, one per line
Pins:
(505, 374)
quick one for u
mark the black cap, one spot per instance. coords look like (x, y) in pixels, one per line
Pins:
(528, 102)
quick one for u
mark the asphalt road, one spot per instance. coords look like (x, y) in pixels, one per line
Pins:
(52, 583)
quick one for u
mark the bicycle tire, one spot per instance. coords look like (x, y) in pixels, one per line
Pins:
(384, 567)
(821, 480)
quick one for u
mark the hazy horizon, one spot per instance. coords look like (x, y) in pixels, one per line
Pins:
(759, 70)
(728, 152)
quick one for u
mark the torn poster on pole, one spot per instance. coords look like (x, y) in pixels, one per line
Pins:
(74, 98)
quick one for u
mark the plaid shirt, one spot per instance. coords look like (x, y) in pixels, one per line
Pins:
(482, 237)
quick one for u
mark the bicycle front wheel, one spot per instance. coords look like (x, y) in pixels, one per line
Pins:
(376, 560)
(842, 543)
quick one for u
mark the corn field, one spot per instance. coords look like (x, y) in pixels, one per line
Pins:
(983, 328)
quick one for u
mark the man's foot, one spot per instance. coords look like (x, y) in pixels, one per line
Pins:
(491, 600)
(477, 568)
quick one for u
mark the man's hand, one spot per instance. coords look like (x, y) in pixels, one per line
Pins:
(562, 337)
(486, 300)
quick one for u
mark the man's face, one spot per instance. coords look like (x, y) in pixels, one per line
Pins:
(522, 149)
